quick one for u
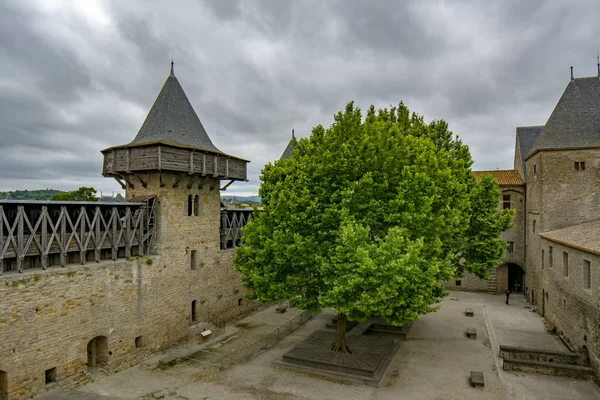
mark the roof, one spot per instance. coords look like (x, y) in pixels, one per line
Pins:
(505, 177)
(584, 236)
(287, 153)
(527, 136)
(575, 121)
(172, 120)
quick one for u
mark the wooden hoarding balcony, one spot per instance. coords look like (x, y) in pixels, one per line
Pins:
(38, 234)
(232, 222)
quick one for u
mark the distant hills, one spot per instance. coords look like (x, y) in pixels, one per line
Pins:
(250, 200)
(46, 194)
(43, 194)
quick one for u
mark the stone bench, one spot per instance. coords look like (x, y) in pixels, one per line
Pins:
(472, 333)
(281, 308)
(469, 312)
(477, 379)
(205, 333)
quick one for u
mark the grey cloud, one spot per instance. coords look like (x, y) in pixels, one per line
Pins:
(256, 69)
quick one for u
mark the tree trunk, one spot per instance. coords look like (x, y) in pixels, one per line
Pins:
(340, 337)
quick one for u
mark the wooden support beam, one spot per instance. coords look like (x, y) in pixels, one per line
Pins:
(160, 179)
(63, 236)
(191, 171)
(203, 164)
(227, 185)
(1, 240)
(127, 160)
(44, 237)
(97, 236)
(202, 182)
(214, 184)
(128, 232)
(121, 183)
(82, 248)
(178, 179)
(159, 159)
(215, 166)
(144, 183)
(141, 231)
(128, 181)
(20, 238)
(227, 167)
(115, 234)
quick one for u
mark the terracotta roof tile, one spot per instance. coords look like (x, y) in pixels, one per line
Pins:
(507, 177)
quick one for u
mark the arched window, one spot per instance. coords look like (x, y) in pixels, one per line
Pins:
(196, 205)
(190, 205)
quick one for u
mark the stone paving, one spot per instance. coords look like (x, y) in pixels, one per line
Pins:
(434, 363)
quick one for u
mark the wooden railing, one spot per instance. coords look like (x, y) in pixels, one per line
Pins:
(38, 234)
(232, 222)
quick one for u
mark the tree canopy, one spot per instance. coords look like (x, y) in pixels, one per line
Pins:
(369, 216)
(81, 194)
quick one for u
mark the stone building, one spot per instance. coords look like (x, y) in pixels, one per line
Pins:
(510, 272)
(90, 287)
(556, 233)
(563, 207)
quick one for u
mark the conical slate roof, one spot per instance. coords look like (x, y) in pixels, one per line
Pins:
(575, 121)
(172, 120)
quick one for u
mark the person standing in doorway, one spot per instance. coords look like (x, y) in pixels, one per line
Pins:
(507, 295)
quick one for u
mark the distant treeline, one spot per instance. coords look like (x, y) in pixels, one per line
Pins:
(44, 194)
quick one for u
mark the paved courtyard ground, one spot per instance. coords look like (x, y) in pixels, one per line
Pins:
(433, 364)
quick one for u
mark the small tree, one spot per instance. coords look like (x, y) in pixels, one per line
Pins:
(368, 217)
(81, 194)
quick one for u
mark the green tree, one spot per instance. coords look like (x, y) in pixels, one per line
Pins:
(368, 217)
(81, 194)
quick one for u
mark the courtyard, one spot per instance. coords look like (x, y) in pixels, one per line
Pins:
(434, 363)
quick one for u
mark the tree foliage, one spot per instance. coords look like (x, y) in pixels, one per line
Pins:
(368, 217)
(81, 194)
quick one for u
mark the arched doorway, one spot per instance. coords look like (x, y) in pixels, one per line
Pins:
(515, 278)
(97, 352)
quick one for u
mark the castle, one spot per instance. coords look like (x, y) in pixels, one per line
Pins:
(102, 285)
(553, 249)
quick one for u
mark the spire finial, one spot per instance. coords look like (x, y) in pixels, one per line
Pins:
(598, 62)
(572, 73)
(293, 133)
(172, 72)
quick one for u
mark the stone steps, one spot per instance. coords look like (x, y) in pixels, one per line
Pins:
(548, 368)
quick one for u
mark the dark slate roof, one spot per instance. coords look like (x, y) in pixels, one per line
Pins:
(527, 135)
(172, 120)
(575, 121)
(287, 153)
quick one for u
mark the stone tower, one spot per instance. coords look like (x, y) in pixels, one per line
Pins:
(173, 159)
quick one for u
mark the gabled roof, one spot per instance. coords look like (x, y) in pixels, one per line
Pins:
(584, 236)
(527, 136)
(172, 120)
(575, 121)
(505, 177)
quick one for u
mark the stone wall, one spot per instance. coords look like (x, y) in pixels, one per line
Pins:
(563, 300)
(47, 318)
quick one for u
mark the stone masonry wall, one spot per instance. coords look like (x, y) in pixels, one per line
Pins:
(565, 302)
(47, 318)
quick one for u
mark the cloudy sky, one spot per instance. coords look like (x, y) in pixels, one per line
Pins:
(79, 76)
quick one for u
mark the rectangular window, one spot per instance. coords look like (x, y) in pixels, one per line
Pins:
(579, 165)
(50, 375)
(506, 201)
(138, 342)
(534, 226)
(3, 385)
(576, 165)
(510, 248)
(543, 259)
(458, 283)
(193, 260)
(565, 263)
(194, 311)
(550, 256)
(587, 274)
(535, 168)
